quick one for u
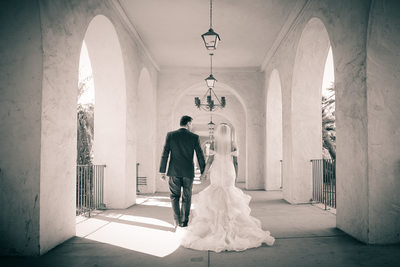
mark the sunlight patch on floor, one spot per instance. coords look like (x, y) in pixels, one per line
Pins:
(125, 234)
(80, 218)
(113, 215)
(158, 202)
(89, 226)
(146, 220)
(141, 239)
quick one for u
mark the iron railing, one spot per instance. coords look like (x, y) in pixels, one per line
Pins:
(140, 180)
(89, 188)
(324, 181)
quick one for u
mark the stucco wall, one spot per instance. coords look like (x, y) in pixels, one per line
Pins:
(306, 118)
(110, 107)
(383, 82)
(146, 113)
(366, 124)
(20, 112)
(273, 176)
(351, 118)
(43, 109)
(347, 33)
(64, 25)
(58, 154)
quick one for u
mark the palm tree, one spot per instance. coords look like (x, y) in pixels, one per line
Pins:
(85, 118)
(328, 124)
(85, 134)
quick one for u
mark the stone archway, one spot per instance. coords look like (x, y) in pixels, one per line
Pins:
(274, 155)
(306, 121)
(110, 110)
(235, 112)
(146, 113)
(200, 126)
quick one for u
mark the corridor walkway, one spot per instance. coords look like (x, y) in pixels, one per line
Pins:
(143, 235)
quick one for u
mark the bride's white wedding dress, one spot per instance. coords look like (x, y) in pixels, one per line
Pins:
(221, 217)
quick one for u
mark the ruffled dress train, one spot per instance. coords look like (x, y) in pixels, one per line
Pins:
(220, 219)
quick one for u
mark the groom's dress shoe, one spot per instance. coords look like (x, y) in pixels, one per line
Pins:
(176, 225)
(184, 224)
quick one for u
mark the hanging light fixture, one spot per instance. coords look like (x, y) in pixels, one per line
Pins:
(210, 80)
(211, 127)
(210, 101)
(211, 38)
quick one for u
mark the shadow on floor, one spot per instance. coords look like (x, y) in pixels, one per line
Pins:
(143, 235)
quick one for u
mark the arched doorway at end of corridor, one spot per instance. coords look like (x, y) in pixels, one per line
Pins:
(234, 114)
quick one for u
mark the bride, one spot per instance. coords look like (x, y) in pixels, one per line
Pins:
(221, 217)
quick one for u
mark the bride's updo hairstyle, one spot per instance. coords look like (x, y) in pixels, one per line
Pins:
(223, 139)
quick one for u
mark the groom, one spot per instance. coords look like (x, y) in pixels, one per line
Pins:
(179, 147)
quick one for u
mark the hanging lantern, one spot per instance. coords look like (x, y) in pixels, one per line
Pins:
(210, 81)
(211, 38)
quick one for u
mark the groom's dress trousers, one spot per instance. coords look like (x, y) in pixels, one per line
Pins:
(179, 147)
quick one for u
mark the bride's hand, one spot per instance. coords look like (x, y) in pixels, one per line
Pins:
(235, 153)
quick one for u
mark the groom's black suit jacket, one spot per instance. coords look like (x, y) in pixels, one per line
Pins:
(180, 146)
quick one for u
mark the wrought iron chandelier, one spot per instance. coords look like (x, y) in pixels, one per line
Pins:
(207, 103)
(211, 38)
(210, 100)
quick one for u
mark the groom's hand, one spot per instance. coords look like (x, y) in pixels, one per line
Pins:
(163, 177)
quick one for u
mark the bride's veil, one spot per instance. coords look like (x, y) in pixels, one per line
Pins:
(223, 141)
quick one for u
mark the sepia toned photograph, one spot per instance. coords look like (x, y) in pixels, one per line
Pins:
(199, 133)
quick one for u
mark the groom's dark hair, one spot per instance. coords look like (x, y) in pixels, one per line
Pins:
(184, 120)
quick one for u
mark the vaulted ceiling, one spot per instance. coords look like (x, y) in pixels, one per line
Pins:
(249, 29)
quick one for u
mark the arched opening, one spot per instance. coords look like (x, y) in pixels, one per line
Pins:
(306, 119)
(110, 111)
(85, 138)
(234, 114)
(146, 113)
(200, 127)
(274, 148)
(328, 110)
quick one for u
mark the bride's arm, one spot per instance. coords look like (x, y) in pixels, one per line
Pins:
(235, 165)
(235, 154)
(208, 166)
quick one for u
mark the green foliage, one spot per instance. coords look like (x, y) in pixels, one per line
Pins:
(83, 85)
(328, 124)
(85, 118)
(85, 134)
